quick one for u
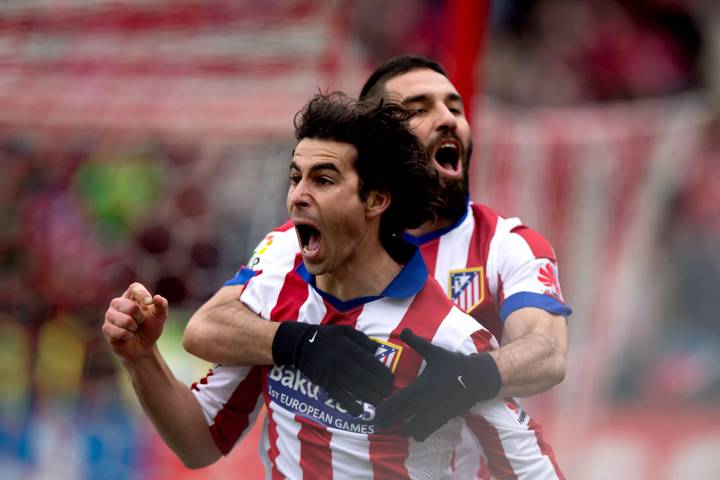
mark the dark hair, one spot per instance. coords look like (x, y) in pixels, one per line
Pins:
(389, 158)
(375, 85)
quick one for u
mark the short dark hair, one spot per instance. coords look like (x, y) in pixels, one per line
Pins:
(389, 158)
(375, 85)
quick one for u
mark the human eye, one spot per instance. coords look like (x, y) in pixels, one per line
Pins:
(456, 109)
(417, 108)
(455, 106)
(295, 178)
(324, 181)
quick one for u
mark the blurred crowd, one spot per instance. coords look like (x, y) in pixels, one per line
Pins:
(562, 52)
(82, 218)
(84, 215)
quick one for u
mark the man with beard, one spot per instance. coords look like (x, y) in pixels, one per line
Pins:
(358, 178)
(499, 271)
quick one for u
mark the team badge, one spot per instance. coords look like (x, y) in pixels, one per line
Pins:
(467, 287)
(388, 353)
(259, 250)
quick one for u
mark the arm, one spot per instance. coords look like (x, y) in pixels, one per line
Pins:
(173, 410)
(132, 325)
(452, 382)
(225, 331)
(336, 357)
(532, 357)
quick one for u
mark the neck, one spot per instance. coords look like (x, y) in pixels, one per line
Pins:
(431, 226)
(367, 273)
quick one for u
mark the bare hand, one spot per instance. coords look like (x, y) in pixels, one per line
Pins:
(134, 322)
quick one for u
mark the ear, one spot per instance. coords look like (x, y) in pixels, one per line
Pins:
(376, 203)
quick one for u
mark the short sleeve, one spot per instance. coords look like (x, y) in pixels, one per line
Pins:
(275, 250)
(527, 273)
(230, 398)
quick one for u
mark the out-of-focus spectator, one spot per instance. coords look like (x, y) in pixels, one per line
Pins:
(559, 52)
(680, 362)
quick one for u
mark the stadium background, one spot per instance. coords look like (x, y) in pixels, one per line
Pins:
(148, 140)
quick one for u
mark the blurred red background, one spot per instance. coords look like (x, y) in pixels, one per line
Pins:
(147, 140)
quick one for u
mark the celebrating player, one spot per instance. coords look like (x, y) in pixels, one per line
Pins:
(499, 271)
(358, 179)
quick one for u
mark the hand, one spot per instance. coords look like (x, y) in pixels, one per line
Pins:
(450, 384)
(338, 358)
(134, 322)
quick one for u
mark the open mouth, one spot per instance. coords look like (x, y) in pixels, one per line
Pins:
(309, 237)
(447, 155)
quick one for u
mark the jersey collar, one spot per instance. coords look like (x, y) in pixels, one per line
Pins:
(408, 282)
(419, 240)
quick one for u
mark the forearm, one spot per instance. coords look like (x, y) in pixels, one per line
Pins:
(173, 410)
(225, 331)
(529, 365)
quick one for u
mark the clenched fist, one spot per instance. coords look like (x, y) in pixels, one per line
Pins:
(134, 322)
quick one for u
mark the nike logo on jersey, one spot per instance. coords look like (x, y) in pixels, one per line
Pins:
(312, 339)
(460, 379)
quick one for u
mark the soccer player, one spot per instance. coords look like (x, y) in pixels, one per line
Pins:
(501, 272)
(354, 272)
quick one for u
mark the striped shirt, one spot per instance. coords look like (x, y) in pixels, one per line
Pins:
(307, 435)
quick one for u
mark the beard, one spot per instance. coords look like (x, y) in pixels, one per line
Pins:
(455, 192)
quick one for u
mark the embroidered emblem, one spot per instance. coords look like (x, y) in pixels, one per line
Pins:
(467, 287)
(388, 353)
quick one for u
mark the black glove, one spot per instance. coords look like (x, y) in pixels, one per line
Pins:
(450, 385)
(338, 358)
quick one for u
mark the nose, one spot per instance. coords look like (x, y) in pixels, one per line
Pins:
(445, 119)
(297, 196)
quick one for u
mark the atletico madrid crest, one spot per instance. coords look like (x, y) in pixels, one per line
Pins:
(388, 353)
(467, 287)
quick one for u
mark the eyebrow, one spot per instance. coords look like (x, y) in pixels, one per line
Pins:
(423, 97)
(316, 167)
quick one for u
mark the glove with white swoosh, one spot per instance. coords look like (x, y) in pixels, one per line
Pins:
(338, 358)
(450, 385)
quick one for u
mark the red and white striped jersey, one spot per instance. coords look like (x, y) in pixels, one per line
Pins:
(491, 266)
(307, 435)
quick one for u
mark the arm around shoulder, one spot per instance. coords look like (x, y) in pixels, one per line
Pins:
(224, 330)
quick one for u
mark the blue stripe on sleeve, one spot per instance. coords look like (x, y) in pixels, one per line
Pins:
(537, 300)
(241, 277)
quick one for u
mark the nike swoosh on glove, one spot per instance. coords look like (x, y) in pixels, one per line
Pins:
(450, 385)
(338, 358)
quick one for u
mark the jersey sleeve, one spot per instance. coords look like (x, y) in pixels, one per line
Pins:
(274, 251)
(523, 268)
(262, 291)
(230, 398)
(460, 327)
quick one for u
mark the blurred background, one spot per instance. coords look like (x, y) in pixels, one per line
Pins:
(148, 140)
